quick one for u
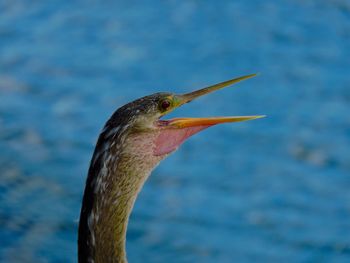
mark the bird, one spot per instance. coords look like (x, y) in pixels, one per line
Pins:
(132, 143)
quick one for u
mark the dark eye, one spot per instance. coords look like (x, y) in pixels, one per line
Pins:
(164, 105)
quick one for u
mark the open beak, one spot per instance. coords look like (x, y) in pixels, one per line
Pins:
(175, 131)
(188, 97)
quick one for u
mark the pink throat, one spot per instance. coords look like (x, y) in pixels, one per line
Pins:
(169, 139)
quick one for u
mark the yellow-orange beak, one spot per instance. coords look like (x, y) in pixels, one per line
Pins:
(191, 122)
(175, 131)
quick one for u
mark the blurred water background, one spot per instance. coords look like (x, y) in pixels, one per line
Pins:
(270, 190)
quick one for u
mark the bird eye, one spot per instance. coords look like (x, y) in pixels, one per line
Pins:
(164, 105)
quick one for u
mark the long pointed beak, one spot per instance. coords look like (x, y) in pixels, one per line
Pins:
(185, 98)
(210, 121)
(176, 131)
(191, 122)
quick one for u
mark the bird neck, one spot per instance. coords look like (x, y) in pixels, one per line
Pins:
(115, 178)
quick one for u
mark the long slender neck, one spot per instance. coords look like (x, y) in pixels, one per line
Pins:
(117, 173)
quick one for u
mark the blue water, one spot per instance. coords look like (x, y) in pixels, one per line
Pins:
(269, 190)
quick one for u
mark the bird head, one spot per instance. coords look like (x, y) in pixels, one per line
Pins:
(143, 117)
(134, 140)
